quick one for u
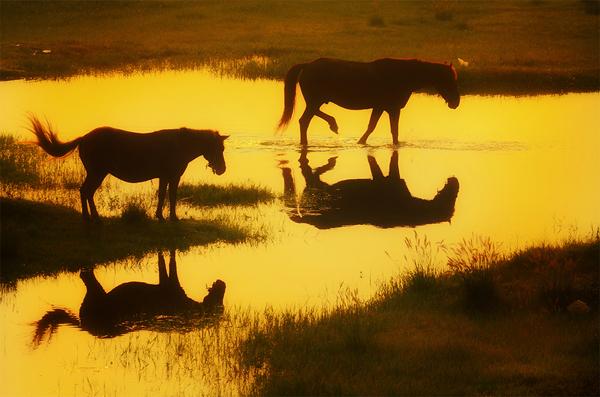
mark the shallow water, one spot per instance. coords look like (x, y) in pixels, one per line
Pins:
(527, 169)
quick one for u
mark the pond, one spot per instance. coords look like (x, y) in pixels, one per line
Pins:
(526, 169)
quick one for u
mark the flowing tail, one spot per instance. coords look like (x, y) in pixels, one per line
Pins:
(48, 324)
(47, 139)
(289, 92)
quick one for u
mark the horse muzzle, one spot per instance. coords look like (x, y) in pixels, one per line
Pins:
(219, 170)
(453, 104)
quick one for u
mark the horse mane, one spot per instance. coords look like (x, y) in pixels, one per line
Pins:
(445, 65)
(454, 71)
(212, 133)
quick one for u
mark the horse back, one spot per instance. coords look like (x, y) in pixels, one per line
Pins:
(132, 156)
(357, 85)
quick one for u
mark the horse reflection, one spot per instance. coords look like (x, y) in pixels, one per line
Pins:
(382, 201)
(135, 306)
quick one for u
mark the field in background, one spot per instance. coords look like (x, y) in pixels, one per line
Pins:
(512, 47)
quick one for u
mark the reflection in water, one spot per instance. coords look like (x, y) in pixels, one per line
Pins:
(383, 201)
(135, 306)
(535, 177)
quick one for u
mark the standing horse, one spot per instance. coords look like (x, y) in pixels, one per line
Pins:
(135, 157)
(381, 85)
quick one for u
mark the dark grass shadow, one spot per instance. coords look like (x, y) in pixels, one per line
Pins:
(39, 238)
(232, 195)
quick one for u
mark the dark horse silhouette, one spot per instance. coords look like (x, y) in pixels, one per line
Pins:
(383, 201)
(135, 157)
(135, 306)
(381, 85)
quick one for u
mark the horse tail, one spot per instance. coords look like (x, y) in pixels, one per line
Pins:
(49, 323)
(289, 92)
(47, 139)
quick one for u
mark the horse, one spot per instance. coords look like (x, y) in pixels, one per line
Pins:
(382, 201)
(135, 157)
(382, 85)
(135, 306)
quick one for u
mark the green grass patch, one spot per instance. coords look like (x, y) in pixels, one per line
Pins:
(17, 162)
(25, 164)
(40, 238)
(230, 194)
(511, 46)
(412, 339)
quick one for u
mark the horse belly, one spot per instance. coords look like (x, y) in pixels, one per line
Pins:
(348, 90)
(135, 169)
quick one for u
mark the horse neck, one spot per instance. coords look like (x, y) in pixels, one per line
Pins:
(196, 146)
(430, 74)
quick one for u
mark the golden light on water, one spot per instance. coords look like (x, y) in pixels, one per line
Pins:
(527, 169)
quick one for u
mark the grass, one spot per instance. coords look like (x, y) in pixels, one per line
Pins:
(412, 339)
(39, 238)
(23, 164)
(512, 47)
(231, 194)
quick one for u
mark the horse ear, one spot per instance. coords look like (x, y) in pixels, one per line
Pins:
(223, 137)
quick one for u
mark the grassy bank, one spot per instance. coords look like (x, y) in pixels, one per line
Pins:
(501, 327)
(511, 47)
(42, 231)
(39, 238)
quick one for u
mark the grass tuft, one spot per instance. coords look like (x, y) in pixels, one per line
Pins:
(230, 195)
(472, 260)
(134, 212)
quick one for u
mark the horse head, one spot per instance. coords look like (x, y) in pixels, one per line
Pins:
(214, 153)
(214, 300)
(447, 86)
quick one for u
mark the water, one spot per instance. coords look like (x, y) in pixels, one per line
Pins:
(527, 169)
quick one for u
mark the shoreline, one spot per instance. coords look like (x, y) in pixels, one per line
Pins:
(478, 82)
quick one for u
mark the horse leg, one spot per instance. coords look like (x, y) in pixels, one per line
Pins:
(376, 173)
(93, 288)
(394, 171)
(394, 118)
(173, 278)
(329, 119)
(163, 278)
(162, 192)
(289, 188)
(327, 167)
(96, 184)
(91, 183)
(304, 121)
(83, 195)
(173, 184)
(375, 115)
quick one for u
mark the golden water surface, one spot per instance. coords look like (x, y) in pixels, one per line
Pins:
(527, 169)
